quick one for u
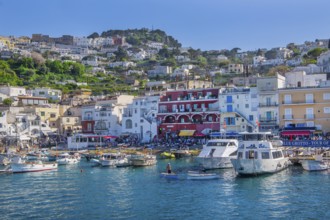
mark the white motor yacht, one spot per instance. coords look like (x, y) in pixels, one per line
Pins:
(66, 159)
(216, 153)
(111, 159)
(258, 154)
(18, 165)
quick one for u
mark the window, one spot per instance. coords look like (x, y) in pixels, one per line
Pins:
(246, 105)
(67, 120)
(326, 110)
(42, 113)
(326, 96)
(89, 127)
(265, 155)
(52, 115)
(240, 155)
(128, 124)
(251, 117)
(136, 125)
(277, 154)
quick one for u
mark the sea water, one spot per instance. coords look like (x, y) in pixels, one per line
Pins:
(84, 192)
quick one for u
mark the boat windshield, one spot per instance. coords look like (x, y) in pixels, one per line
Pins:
(216, 144)
(257, 137)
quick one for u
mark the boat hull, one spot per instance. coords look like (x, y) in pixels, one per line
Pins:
(32, 167)
(202, 176)
(314, 165)
(215, 162)
(259, 166)
(67, 161)
(169, 175)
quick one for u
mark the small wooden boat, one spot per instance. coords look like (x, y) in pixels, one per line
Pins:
(192, 175)
(169, 175)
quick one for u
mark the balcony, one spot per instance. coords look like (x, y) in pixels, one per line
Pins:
(267, 119)
(287, 117)
(190, 110)
(302, 102)
(88, 118)
(309, 116)
(270, 104)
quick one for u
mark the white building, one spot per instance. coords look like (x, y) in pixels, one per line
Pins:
(160, 70)
(269, 101)
(48, 93)
(105, 116)
(139, 118)
(309, 69)
(301, 79)
(258, 60)
(12, 91)
(239, 108)
(324, 61)
(122, 64)
(82, 41)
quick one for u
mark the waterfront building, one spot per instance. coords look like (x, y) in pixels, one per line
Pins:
(139, 118)
(305, 107)
(268, 101)
(69, 120)
(239, 108)
(104, 116)
(196, 110)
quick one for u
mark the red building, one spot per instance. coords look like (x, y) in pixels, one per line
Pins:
(196, 110)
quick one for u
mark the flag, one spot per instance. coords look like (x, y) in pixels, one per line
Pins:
(257, 122)
(224, 124)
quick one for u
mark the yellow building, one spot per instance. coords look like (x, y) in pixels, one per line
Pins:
(49, 115)
(305, 107)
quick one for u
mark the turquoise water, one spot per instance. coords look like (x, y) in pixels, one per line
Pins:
(140, 193)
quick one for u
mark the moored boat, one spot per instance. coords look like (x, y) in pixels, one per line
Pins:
(111, 159)
(318, 163)
(201, 176)
(169, 175)
(66, 159)
(143, 160)
(216, 153)
(259, 154)
(18, 165)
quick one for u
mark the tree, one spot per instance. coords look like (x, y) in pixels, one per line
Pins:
(278, 69)
(271, 54)
(121, 54)
(7, 101)
(202, 61)
(94, 35)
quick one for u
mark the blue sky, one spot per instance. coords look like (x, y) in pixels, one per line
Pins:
(201, 24)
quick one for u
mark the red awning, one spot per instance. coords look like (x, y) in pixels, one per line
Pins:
(290, 133)
(198, 134)
(110, 136)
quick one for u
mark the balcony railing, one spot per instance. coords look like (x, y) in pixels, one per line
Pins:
(189, 110)
(88, 118)
(298, 102)
(267, 119)
(270, 104)
(309, 116)
(186, 98)
(288, 117)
